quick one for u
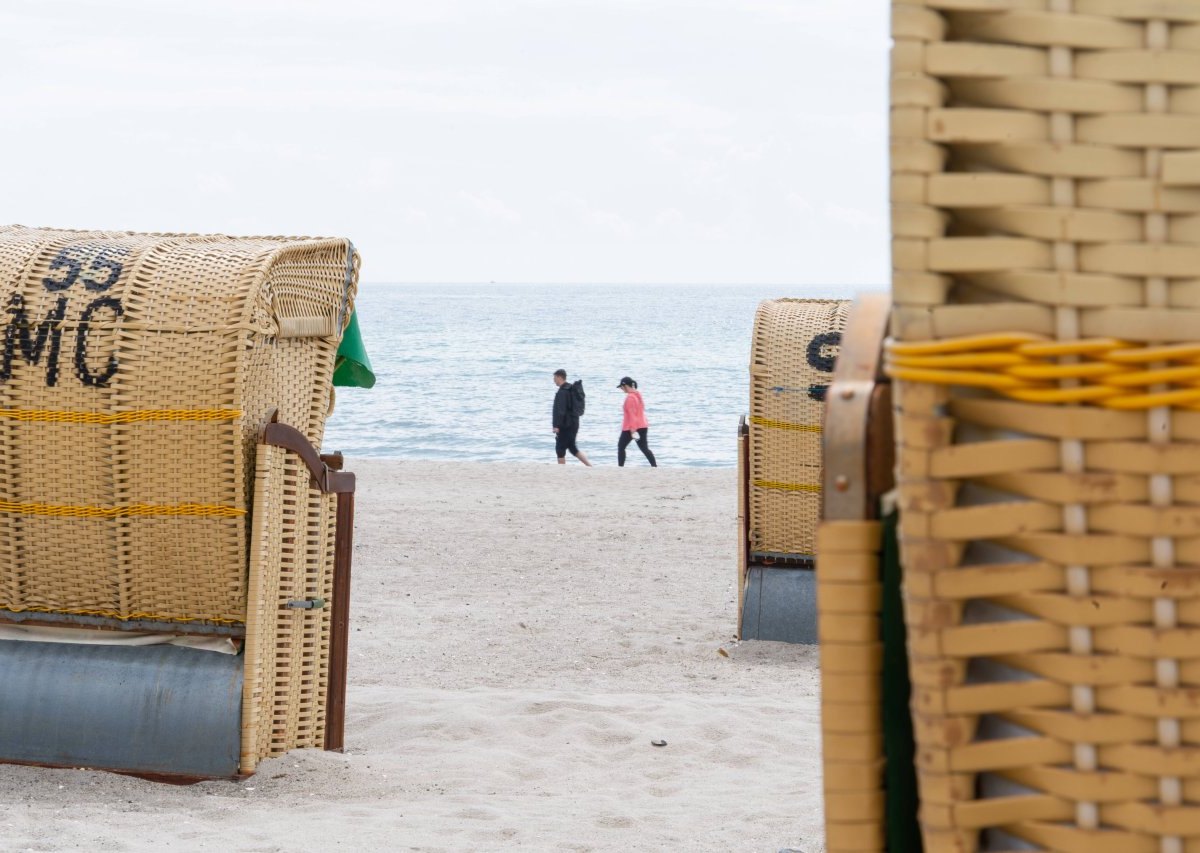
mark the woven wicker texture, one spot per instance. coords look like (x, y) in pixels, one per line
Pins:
(135, 375)
(792, 355)
(1046, 183)
(848, 601)
(287, 650)
(1107, 372)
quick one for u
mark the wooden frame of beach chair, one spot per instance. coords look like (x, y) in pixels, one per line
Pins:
(159, 488)
(1046, 223)
(858, 463)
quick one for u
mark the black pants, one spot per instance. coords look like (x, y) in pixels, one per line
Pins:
(564, 440)
(643, 443)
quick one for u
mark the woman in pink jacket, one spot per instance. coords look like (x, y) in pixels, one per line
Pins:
(634, 426)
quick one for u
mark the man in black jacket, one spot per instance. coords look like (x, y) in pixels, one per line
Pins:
(565, 421)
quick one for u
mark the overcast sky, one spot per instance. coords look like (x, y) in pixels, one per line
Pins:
(466, 140)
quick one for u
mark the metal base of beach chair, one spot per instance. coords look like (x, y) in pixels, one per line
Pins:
(780, 604)
(136, 709)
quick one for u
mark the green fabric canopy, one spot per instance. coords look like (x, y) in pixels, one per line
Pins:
(352, 369)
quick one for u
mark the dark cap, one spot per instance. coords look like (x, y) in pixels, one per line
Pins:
(625, 380)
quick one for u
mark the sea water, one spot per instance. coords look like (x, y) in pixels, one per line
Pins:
(465, 371)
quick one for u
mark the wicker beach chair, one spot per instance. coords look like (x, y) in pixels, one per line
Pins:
(161, 399)
(1046, 198)
(794, 346)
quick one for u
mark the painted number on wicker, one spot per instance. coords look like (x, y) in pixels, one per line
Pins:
(97, 268)
(822, 355)
(74, 261)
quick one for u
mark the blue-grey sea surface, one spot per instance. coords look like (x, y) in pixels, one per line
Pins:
(464, 371)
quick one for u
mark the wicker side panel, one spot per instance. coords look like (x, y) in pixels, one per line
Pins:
(135, 374)
(1043, 183)
(311, 288)
(121, 497)
(16, 257)
(292, 378)
(262, 610)
(848, 607)
(794, 345)
(287, 649)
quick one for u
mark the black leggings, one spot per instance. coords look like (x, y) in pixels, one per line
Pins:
(643, 443)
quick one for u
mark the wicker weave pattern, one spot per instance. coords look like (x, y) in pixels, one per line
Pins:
(217, 332)
(1110, 373)
(848, 599)
(791, 358)
(1045, 181)
(287, 650)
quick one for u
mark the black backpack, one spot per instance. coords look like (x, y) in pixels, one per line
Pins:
(576, 401)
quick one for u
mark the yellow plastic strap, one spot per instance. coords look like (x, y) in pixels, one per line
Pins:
(770, 424)
(1084, 346)
(1046, 372)
(1083, 394)
(971, 359)
(55, 416)
(122, 617)
(126, 511)
(1102, 371)
(965, 344)
(786, 487)
(1161, 376)
(1150, 401)
(973, 378)
(1143, 355)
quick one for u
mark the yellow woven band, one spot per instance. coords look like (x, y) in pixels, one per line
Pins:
(122, 617)
(126, 511)
(770, 424)
(786, 487)
(52, 416)
(1100, 371)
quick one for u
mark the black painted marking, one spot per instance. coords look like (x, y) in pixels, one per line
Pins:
(820, 351)
(104, 261)
(63, 260)
(33, 338)
(100, 263)
(16, 303)
(82, 370)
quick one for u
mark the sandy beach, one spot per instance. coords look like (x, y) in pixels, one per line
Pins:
(522, 632)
